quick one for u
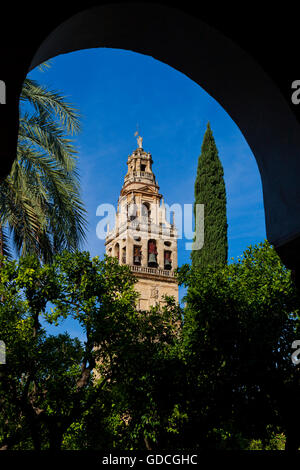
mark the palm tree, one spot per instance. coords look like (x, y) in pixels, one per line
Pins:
(40, 207)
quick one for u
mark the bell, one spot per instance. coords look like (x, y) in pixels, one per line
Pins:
(168, 264)
(152, 259)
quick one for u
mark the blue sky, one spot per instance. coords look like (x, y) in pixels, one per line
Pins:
(117, 90)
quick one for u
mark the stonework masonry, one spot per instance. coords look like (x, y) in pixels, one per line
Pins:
(142, 237)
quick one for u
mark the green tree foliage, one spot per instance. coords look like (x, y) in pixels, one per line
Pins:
(54, 388)
(240, 324)
(210, 191)
(143, 401)
(220, 379)
(41, 211)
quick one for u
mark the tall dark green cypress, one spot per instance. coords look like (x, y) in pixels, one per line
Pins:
(210, 191)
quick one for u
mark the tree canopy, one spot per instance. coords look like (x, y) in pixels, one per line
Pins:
(216, 375)
(49, 382)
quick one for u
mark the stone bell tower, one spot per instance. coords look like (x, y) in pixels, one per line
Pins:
(142, 237)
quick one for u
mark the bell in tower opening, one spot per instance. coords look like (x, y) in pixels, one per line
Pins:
(167, 260)
(152, 254)
(137, 255)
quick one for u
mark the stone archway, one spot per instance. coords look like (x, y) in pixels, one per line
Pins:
(223, 70)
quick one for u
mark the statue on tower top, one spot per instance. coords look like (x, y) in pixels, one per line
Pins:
(139, 140)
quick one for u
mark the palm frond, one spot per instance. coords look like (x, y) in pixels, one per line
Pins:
(52, 103)
(4, 243)
(44, 66)
(50, 139)
(40, 200)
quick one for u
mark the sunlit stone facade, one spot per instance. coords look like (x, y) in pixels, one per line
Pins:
(142, 237)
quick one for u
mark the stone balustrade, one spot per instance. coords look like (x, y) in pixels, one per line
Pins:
(148, 270)
(143, 174)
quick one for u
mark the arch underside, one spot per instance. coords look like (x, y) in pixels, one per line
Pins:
(223, 70)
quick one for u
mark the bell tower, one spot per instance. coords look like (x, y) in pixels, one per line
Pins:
(142, 237)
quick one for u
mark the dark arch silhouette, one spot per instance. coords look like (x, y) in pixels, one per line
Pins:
(220, 67)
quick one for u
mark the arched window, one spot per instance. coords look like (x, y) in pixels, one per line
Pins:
(124, 255)
(146, 212)
(167, 259)
(117, 251)
(132, 210)
(152, 254)
(137, 255)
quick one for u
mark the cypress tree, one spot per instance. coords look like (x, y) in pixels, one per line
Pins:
(210, 191)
